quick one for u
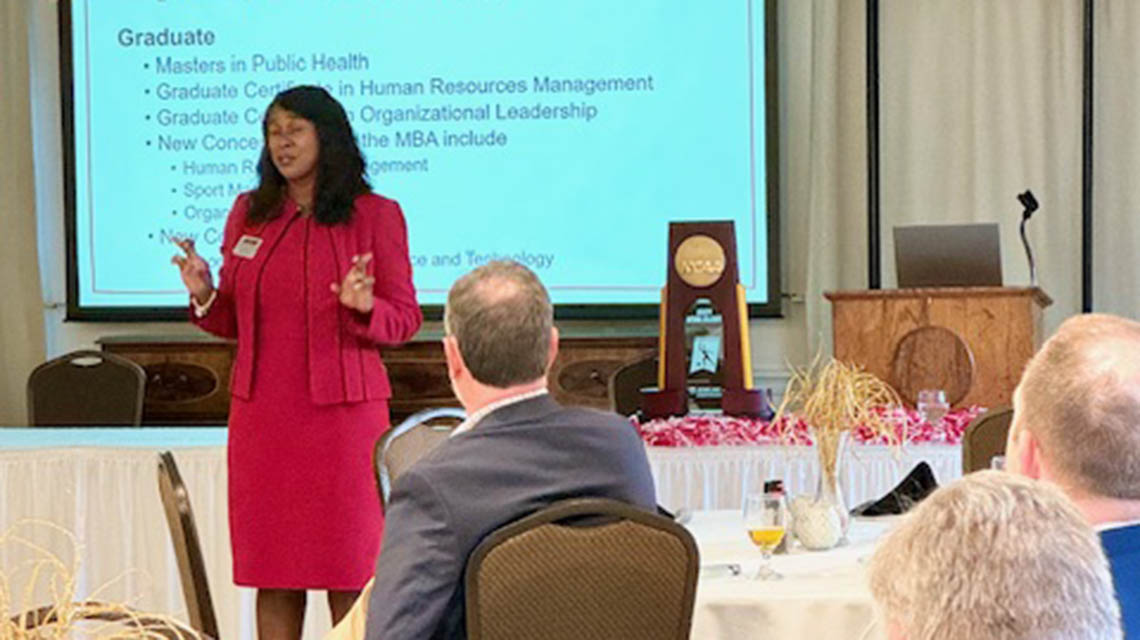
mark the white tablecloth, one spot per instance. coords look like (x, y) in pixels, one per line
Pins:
(101, 484)
(822, 596)
(716, 477)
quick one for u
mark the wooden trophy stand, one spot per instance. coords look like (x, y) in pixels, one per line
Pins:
(702, 264)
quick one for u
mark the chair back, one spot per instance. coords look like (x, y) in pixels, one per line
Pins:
(985, 438)
(187, 548)
(627, 382)
(583, 569)
(86, 388)
(401, 446)
(95, 619)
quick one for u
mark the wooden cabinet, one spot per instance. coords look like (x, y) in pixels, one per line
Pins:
(972, 342)
(188, 376)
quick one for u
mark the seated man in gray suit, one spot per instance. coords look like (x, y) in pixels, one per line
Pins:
(517, 452)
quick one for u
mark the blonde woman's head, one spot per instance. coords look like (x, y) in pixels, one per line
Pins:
(995, 556)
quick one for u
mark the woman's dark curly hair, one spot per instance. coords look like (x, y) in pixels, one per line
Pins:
(340, 165)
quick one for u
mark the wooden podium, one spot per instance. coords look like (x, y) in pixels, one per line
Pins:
(972, 342)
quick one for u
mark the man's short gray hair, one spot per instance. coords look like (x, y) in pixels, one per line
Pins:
(1080, 397)
(995, 556)
(501, 316)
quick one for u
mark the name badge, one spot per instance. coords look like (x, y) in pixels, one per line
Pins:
(247, 247)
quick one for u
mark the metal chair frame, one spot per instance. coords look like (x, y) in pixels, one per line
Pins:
(135, 375)
(982, 422)
(624, 398)
(187, 547)
(384, 477)
(142, 622)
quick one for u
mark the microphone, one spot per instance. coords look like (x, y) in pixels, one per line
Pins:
(1030, 204)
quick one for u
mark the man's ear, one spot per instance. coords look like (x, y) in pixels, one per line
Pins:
(1031, 460)
(455, 364)
(1028, 452)
(553, 351)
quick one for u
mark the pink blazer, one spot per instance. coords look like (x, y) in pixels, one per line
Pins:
(344, 362)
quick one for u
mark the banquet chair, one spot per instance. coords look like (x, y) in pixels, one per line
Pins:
(583, 568)
(985, 438)
(627, 382)
(401, 446)
(86, 388)
(187, 548)
(94, 619)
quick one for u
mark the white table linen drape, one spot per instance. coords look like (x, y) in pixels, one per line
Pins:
(717, 477)
(101, 484)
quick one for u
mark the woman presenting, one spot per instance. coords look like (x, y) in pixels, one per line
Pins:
(315, 275)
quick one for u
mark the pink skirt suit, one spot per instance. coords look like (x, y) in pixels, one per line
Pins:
(309, 390)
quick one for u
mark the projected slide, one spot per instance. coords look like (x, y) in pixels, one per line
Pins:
(564, 135)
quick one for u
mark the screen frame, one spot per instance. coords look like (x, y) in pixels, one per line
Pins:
(773, 308)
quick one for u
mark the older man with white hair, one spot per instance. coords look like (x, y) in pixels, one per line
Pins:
(1077, 425)
(994, 556)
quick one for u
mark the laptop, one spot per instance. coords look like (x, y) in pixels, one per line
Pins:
(948, 255)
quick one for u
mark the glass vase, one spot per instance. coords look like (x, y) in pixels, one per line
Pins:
(829, 490)
(820, 521)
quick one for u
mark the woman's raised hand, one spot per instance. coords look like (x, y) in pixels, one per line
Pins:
(355, 291)
(194, 271)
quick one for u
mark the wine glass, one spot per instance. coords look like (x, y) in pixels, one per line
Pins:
(765, 520)
(932, 405)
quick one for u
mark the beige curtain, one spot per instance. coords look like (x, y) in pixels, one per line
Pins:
(823, 171)
(981, 100)
(1116, 158)
(21, 319)
(822, 185)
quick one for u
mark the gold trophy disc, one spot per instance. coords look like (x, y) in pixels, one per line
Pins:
(699, 261)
